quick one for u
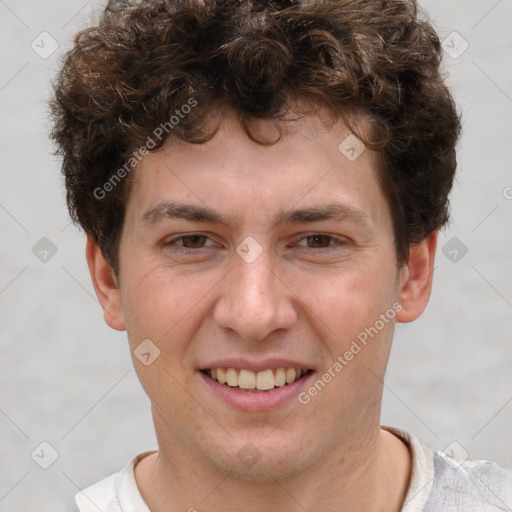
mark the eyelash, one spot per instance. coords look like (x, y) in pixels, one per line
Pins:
(334, 242)
(181, 248)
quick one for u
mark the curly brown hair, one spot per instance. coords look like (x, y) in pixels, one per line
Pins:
(146, 59)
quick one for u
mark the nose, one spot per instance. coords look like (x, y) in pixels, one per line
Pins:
(255, 300)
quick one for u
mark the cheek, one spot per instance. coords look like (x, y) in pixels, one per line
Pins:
(161, 304)
(348, 299)
(358, 341)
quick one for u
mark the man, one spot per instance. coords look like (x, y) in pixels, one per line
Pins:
(262, 184)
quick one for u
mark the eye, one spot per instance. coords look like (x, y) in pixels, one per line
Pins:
(191, 241)
(319, 241)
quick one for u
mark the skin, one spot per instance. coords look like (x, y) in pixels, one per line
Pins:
(302, 298)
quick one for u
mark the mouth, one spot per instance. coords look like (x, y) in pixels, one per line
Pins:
(256, 382)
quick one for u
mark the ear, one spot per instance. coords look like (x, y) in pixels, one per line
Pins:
(416, 279)
(105, 285)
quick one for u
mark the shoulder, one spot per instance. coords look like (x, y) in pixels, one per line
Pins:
(440, 483)
(100, 496)
(115, 493)
(469, 485)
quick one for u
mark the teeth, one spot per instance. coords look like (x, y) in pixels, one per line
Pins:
(280, 377)
(247, 380)
(232, 377)
(290, 375)
(262, 381)
(265, 380)
(221, 375)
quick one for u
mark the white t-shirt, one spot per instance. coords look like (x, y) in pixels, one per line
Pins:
(438, 484)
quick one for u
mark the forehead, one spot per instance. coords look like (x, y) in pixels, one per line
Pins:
(311, 164)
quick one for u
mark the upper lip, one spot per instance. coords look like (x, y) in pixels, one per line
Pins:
(255, 366)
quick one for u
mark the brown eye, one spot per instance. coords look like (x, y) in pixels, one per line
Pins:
(318, 241)
(189, 243)
(193, 241)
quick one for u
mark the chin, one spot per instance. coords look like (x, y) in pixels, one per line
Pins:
(261, 459)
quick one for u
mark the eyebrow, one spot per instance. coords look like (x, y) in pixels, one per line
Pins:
(337, 212)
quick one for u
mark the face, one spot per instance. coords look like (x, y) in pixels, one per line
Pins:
(271, 266)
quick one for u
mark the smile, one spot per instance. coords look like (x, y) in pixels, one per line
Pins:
(248, 380)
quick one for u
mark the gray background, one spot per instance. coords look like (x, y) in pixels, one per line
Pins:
(67, 379)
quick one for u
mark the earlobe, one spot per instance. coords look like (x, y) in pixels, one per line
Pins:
(416, 280)
(106, 286)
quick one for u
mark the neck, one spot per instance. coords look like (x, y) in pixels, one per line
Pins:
(371, 472)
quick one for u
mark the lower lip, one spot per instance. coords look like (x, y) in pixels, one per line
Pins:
(257, 401)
